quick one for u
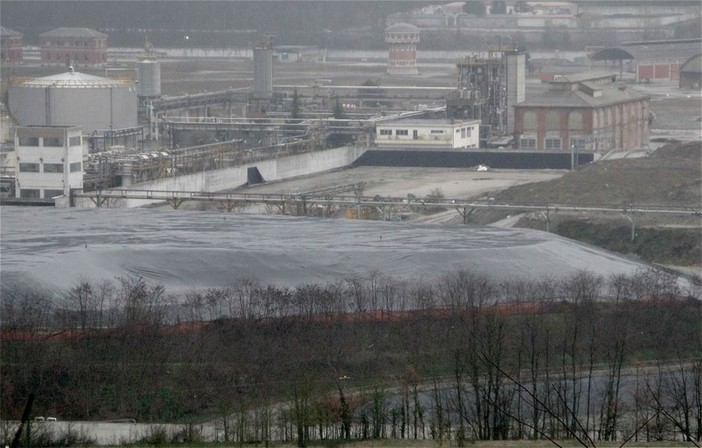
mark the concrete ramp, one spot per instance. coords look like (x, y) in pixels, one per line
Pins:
(253, 176)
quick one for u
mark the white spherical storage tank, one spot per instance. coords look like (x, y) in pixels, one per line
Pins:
(74, 99)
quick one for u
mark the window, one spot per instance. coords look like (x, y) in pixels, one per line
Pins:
(74, 141)
(76, 167)
(529, 121)
(577, 144)
(527, 143)
(552, 143)
(575, 121)
(468, 132)
(53, 141)
(29, 193)
(29, 141)
(436, 131)
(48, 194)
(386, 132)
(463, 132)
(401, 132)
(553, 121)
(53, 168)
(29, 167)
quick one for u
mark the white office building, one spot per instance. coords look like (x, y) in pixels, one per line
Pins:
(425, 133)
(49, 161)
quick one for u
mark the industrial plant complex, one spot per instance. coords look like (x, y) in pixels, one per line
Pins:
(74, 133)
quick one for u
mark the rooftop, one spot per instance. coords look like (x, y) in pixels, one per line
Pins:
(402, 28)
(612, 93)
(73, 32)
(582, 77)
(429, 122)
(641, 51)
(8, 32)
(72, 80)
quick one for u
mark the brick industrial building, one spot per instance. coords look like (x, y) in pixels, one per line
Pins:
(586, 112)
(10, 45)
(73, 46)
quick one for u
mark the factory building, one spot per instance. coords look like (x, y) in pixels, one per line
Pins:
(584, 112)
(11, 43)
(49, 161)
(74, 99)
(73, 46)
(402, 39)
(425, 133)
(691, 73)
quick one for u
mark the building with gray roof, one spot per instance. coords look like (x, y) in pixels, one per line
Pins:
(584, 112)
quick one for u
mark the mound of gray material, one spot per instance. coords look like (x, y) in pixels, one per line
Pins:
(182, 250)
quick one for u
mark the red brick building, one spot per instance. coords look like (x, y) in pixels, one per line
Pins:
(589, 111)
(10, 45)
(73, 46)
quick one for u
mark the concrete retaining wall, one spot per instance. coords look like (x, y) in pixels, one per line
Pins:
(228, 178)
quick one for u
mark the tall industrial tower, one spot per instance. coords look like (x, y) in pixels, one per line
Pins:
(402, 39)
(263, 68)
(487, 90)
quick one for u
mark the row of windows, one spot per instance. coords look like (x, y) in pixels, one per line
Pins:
(403, 35)
(33, 193)
(57, 57)
(49, 141)
(397, 132)
(549, 143)
(48, 167)
(74, 43)
(465, 132)
(552, 143)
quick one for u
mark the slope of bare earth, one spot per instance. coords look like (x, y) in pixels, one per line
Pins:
(671, 176)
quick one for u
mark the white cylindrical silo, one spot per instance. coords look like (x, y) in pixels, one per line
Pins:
(263, 70)
(149, 85)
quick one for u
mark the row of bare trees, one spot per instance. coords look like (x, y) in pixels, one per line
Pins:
(462, 357)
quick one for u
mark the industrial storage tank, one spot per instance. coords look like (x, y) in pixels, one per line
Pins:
(74, 99)
(149, 85)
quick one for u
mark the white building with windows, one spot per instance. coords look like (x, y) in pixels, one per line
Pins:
(49, 161)
(426, 133)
